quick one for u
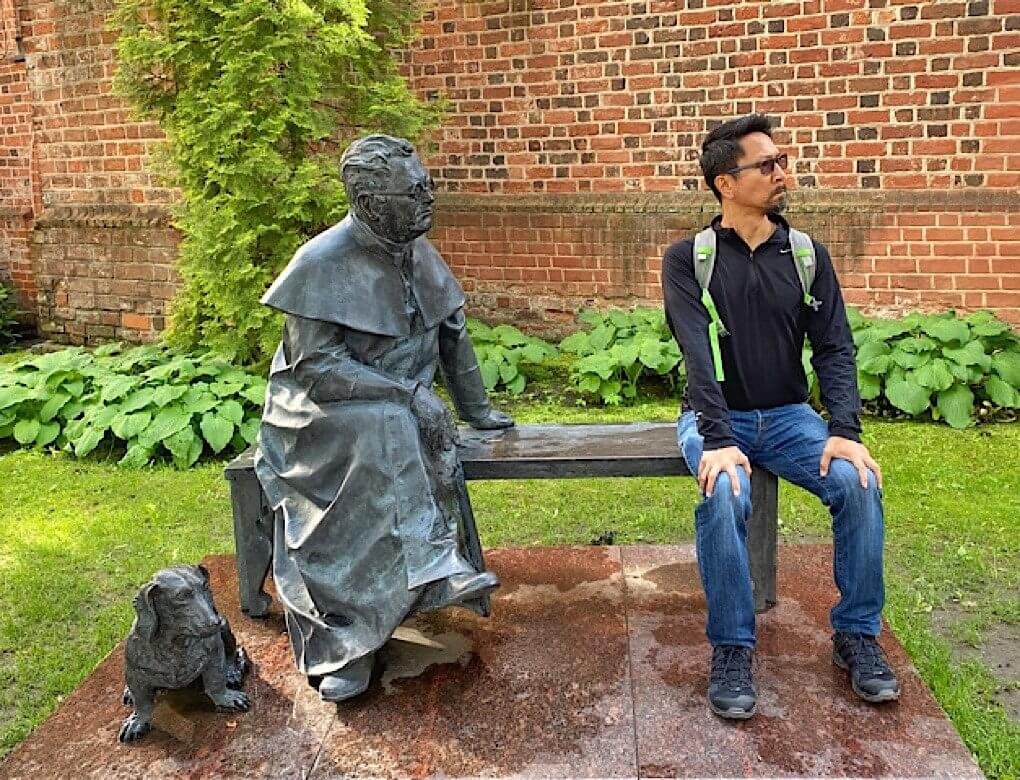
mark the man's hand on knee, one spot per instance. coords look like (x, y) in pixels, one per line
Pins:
(715, 462)
(856, 453)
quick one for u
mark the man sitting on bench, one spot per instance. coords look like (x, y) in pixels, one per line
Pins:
(740, 298)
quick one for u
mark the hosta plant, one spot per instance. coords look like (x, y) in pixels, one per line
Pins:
(143, 404)
(619, 349)
(506, 356)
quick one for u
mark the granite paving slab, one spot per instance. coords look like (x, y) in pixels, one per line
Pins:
(809, 722)
(593, 664)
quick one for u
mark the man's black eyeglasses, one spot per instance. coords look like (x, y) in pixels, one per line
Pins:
(421, 190)
(767, 167)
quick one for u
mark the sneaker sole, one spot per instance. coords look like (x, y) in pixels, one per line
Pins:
(733, 714)
(871, 698)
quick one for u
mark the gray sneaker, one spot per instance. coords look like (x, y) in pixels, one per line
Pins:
(870, 675)
(731, 691)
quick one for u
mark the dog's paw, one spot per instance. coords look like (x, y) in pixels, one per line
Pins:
(133, 728)
(236, 668)
(232, 701)
(127, 698)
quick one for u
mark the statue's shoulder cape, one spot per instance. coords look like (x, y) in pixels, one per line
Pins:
(337, 277)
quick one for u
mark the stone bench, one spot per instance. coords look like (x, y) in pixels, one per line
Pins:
(522, 452)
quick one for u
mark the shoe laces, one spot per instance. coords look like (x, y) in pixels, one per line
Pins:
(865, 654)
(731, 666)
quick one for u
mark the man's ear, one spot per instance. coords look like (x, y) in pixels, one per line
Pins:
(724, 183)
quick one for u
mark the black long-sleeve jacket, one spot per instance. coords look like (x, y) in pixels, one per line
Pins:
(760, 300)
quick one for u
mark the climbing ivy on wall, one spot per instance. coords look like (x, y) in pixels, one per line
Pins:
(257, 100)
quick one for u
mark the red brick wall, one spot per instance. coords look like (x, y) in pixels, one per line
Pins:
(537, 259)
(594, 96)
(76, 215)
(570, 150)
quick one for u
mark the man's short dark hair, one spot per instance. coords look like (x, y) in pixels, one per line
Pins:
(721, 150)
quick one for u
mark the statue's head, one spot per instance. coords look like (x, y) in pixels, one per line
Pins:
(388, 188)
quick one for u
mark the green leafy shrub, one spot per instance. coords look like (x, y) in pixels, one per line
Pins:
(505, 355)
(257, 100)
(8, 317)
(620, 348)
(144, 403)
(935, 364)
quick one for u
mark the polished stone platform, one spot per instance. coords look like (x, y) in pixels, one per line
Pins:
(592, 665)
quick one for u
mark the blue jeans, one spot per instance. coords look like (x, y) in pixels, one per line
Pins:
(788, 441)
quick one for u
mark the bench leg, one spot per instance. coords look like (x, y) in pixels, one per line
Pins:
(762, 537)
(471, 544)
(253, 541)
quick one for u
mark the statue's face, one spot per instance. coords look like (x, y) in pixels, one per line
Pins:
(403, 210)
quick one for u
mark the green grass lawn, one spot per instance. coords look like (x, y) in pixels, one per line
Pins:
(79, 537)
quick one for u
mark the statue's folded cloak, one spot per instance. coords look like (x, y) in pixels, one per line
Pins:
(361, 519)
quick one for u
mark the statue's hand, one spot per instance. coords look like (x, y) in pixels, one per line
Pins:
(492, 421)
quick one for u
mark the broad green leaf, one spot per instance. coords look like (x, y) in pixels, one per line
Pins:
(516, 386)
(935, 376)
(250, 429)
(9, 396)
(970, 354)
(871, 349)
(509, 336)
(26, 431)
(217, 431)
(876, 365)
(105, 350)
(256, 393)
(1007, 366)
(51, 407)
(909, 359)
(48, 432)
(490, 374)
(534, 353)
(602, 337)
(507, 372)
(75, 388)
(168, 421)
(916, 344)
(956, 405)
(226, 389)
(946, 330)
(128, 426)
(137, 455)
(232, 410)
(116, 386)
(589, 383)
(138, 400)
(600, 363)
(1000, 393)
(164, 394)
(870, 386)
(88, 441)
(576, 343)
(909, 397)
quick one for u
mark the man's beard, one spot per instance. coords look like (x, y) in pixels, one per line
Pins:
(779, 206)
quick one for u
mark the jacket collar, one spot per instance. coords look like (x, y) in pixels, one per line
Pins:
(781, 235)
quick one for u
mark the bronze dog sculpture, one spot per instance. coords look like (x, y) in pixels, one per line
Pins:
(177, 638)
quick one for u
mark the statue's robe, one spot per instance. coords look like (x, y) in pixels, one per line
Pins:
(365, 515)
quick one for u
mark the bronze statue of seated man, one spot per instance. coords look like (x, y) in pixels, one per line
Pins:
(357, 453)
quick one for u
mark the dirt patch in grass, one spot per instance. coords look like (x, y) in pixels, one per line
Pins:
(998, 650)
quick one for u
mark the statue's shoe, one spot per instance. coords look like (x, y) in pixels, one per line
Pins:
(460, 588)
(348, 682)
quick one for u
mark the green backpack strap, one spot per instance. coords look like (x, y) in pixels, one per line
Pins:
(704, 265)
(803, 251)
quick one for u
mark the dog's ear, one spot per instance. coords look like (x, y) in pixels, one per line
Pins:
(205, 573)
(147, 622)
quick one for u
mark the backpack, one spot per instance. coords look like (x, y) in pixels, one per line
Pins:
(803, 252)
